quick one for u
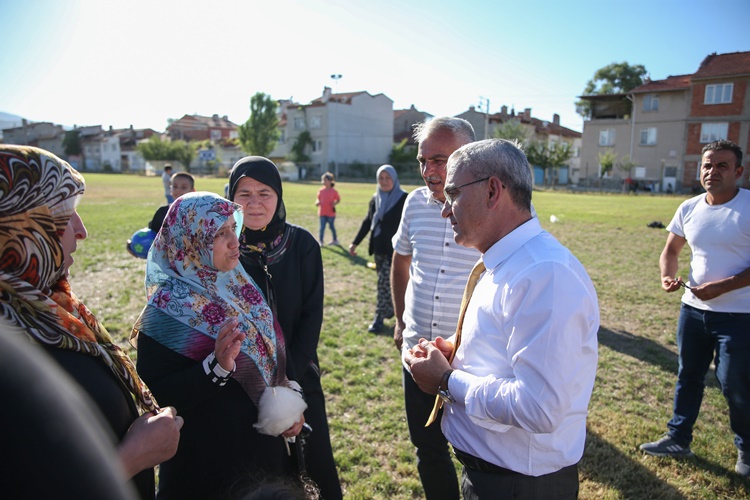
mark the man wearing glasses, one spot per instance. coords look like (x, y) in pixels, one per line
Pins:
(428, 275)
(715, 313)
(516, 392)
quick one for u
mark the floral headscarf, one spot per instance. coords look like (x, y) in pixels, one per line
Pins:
(38, 195)
(182, 283)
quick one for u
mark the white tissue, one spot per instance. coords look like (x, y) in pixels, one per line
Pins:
(280, 408)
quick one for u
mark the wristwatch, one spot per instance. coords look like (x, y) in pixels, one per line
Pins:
(443, 391)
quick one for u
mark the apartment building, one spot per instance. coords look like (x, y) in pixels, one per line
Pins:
(536, 130)
(661, 126)
(347, 131)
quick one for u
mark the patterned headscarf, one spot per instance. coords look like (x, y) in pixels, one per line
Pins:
(38, 196)
(385, 200)
(183, 285)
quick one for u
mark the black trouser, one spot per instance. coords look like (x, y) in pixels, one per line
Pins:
(481, 480)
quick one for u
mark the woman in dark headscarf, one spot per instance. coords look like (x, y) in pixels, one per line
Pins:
(209, 345)
(284, 260)
(39, 230)
(382, 220)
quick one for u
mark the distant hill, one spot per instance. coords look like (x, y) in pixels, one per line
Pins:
(8, 120)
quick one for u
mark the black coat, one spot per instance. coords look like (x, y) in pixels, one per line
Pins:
(381, 244)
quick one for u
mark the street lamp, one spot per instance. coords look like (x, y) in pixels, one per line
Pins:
(486, 102)
(335, 77)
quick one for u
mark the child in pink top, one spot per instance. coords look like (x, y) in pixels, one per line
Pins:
(326, 203)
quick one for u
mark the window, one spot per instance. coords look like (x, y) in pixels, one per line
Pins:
(299, 123)
(576, 151)
(651, 102)
(648, 136)
(718, 94)
(315, 121)
(607, 137)
(215, 134)
(317, 146)
(711, 132)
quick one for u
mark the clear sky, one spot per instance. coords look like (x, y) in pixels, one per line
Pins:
(104, 62)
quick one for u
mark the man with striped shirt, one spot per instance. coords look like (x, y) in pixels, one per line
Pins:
(428, 276)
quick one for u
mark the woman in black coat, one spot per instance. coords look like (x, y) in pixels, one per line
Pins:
(383, 217)
(285, 262)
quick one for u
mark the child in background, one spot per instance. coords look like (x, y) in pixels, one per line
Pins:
(327, 200)
(182, 182)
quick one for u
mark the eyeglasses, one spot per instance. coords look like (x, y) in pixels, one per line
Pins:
(451, 193)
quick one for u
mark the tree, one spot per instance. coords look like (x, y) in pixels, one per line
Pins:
(184, 152)
(606, 162)
(512, 130)
(402, 157)
(72, 143)
(548, 157)
(298, 151)
(616, 78)
(258, 135)
(154, 149)
(625, 165)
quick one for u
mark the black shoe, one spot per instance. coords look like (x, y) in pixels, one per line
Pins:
(377, 324)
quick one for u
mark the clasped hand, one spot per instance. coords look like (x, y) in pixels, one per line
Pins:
(428, 361)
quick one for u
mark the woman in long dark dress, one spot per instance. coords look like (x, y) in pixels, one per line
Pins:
(382, 220)
(208, 344)
(285, 261)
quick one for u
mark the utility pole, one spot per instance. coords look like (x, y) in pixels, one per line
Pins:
(335, 77)
(486, 102)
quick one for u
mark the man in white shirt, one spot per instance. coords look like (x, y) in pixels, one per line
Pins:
(428, 275)
(517, 391)
(715, 313)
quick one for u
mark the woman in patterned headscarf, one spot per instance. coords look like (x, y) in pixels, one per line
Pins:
(209, 345)
(39, 229)
(382, 220)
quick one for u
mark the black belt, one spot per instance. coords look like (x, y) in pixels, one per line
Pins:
(475, 463)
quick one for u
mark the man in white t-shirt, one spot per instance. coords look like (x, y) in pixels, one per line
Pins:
(715, 314)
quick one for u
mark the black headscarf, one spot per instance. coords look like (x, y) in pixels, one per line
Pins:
(265, 171)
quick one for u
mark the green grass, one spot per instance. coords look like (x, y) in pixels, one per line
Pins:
(362, 372)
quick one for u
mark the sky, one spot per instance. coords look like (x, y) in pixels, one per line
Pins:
(140, 63)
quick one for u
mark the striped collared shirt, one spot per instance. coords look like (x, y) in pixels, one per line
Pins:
(439, 269)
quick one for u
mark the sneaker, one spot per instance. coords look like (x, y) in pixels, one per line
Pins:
(335, 243)
(666, 447)
(743, 464)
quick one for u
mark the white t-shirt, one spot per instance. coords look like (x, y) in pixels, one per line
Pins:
(719, 238)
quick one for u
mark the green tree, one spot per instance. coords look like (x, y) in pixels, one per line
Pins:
(545, 156)
(606, 162)
(258, 135)
(402, 157)
(298, 151)
(616, 78)
(72, 143)
(184, 152)
(512, 130)
(155, 149)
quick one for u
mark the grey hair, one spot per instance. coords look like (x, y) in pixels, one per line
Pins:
(458, 127)
(499, 158)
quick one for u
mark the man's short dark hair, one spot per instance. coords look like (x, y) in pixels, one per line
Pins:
(167, 166)
(185, 175)
(724, 145)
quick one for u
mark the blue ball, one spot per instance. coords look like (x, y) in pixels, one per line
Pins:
(141, 241)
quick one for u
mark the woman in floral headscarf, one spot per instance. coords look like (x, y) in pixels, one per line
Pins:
(39, 229)
(208, 344)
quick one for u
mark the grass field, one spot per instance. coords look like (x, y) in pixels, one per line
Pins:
(362, 374)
